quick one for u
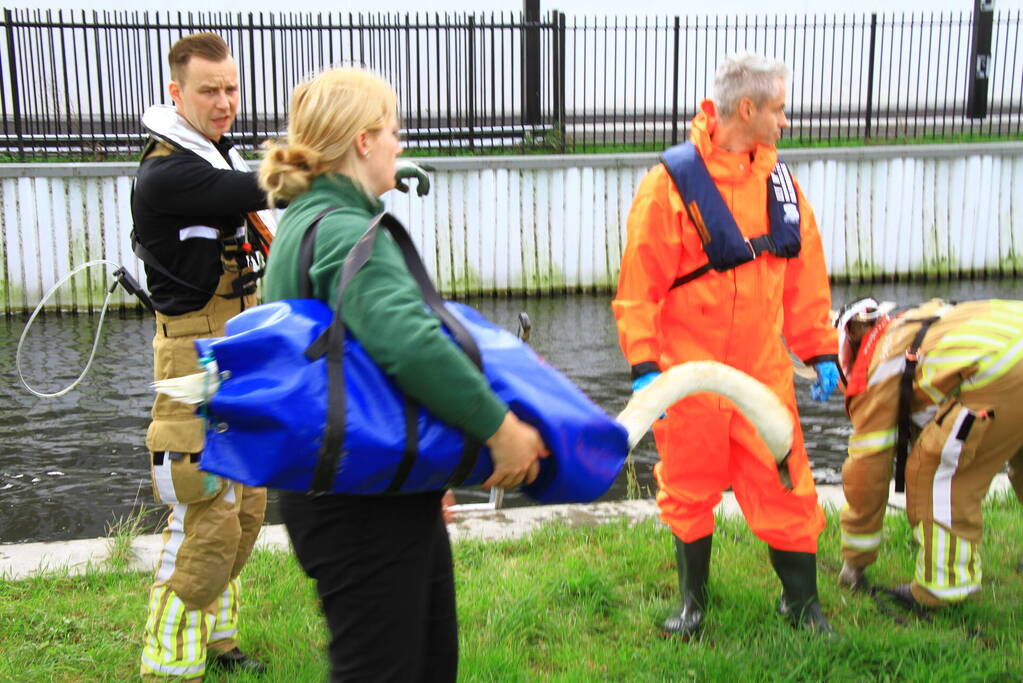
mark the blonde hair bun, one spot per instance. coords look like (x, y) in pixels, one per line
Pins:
(327, 113)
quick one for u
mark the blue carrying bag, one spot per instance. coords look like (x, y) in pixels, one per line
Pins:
(301, 406)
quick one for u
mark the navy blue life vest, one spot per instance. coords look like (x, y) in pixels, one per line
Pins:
(723, 242)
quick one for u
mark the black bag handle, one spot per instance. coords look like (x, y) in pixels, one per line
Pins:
(331, 344)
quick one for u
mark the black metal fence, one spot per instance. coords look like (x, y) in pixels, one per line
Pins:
(75, 84)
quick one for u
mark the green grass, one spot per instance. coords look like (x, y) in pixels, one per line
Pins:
(570, 604)
(551, 143)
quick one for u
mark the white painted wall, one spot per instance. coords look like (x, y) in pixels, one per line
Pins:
(542, 225)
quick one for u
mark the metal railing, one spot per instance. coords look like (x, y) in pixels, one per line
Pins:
(75, 83)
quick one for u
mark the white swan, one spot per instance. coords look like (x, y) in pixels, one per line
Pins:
(758, 403)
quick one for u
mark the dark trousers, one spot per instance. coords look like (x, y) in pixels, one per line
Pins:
(382, 566)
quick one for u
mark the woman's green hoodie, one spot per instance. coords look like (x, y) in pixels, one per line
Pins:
(382, 307)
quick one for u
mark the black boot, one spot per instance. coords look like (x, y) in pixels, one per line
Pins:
(237, 661)
(693, 569)
(799, 601)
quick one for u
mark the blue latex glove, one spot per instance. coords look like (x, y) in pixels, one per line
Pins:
(827, 380)
(643, 380)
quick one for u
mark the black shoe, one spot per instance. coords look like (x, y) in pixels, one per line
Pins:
(799, 601)
(236, 660)
(693, 561)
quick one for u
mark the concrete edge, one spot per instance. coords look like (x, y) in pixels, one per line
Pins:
(71, 558)
(567, 161)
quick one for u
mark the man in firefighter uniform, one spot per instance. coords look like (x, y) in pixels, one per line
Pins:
(195, 206)
(723, 258)
(192, 191)
(938, 391)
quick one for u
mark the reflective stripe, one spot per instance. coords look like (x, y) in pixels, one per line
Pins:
(996, 369)
(954, 593)
(952, 580)
(227, 612)
(942, 487)
(175, 642)
(922, 417)
(163, 480)
(861, 541)
(169, 554)
(968, 338)
(201, 231)
(1004, 326)
(786, 181)
(153, 667)
(889, 368)
(871, 442)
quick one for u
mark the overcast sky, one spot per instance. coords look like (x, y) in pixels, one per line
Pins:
(577, 7)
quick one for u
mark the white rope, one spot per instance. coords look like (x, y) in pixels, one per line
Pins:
(95, 342)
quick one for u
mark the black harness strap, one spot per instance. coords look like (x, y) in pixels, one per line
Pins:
(331, 343)
(905, 401)
(699, 272)
(241, 286)
(762, 244)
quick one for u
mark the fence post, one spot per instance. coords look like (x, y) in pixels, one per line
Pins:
(674, 91)
(558, 76)
(531, 62)
(870, 72)
(980, 58)
(252, 75)
(471, 86)
(12, 64)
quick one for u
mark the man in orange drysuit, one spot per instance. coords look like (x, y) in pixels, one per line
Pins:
(722, 275)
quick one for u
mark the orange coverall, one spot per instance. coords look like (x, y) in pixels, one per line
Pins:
(736, 317)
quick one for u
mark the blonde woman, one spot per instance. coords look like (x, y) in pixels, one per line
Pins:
(382, 564)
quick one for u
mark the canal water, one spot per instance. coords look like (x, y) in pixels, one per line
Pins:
(71, 466)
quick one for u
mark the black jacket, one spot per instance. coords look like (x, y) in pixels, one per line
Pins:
(178, 190)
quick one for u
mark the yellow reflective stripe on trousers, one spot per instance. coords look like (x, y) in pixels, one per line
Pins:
(871, 442)
(951, 577)
(226, 625)
(861, 541)
(175, 638)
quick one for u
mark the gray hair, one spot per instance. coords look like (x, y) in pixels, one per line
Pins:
(746, 75)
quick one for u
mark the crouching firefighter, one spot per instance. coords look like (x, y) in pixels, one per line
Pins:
(935, 393)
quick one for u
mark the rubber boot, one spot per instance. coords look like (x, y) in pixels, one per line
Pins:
(799, 601)
(693, 569)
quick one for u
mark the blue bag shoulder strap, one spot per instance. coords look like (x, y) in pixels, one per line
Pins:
(331, 344)
(307, 252)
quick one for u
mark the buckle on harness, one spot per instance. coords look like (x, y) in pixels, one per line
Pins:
(750, 246)
(245, 284)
